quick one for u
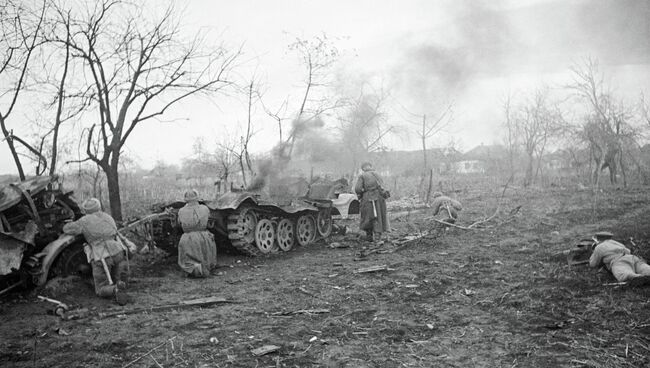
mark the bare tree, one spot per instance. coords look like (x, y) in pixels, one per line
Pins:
(536, 122)
(511, 137)
(607, 126)
(20, 29)
(363, 126)
(138, 70)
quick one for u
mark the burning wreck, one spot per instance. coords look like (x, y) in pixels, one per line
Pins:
(32, 249)
(273, 213)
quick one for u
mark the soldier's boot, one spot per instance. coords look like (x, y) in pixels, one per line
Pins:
(369, 235)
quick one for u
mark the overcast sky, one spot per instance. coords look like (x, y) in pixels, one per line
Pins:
(427, 53)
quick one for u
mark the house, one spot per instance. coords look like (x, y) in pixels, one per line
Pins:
(482, 159)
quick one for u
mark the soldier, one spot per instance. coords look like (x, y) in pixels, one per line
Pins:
(197, 250)
(374, 220)
(105, 253)
(619, 261)
(445, 205)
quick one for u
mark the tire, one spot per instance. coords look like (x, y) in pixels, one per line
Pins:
(71, 261)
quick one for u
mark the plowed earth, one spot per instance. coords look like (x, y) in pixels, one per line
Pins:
(495, 296)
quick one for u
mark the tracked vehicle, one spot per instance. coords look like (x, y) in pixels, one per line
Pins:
(32, 247)
(254, 223)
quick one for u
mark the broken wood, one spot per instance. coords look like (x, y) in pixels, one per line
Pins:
(148, 352)
(302, 289)
(615, 284)
(496, 211)
(453, 225)
(336, 245)
(200, 302)
(374, 269)
(301, 311)
(266, 349)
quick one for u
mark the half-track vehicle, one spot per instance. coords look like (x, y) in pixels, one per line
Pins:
(255, 223)
(32, 247)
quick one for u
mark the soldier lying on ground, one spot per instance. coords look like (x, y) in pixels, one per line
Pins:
(619, 261)
(442, 204)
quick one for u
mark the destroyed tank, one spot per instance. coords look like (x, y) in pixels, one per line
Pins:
(32, 247)
(254, 223)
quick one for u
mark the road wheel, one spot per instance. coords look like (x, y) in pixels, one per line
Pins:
(241, 231)
(71, 261)
(324, 222)
(265, 236)
(286, 236)
(305, 229)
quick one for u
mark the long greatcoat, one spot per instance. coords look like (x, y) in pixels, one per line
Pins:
(372, 205)
(197, 250)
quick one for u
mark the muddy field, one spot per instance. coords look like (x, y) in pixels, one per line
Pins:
(489, 297)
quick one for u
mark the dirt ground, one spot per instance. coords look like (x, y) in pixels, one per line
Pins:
(489, 297)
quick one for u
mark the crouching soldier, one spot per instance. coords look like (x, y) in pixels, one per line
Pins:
(105, 253)
(442, 204)
(619, 261)
(197, 250)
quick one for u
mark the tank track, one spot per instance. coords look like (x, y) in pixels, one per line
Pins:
(241, 231)
(241, 224)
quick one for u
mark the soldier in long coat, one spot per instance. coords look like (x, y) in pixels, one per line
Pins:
(197, 250)
(374, 219)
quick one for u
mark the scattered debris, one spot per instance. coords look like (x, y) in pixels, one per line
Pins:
(374, 269)
(302, 289)
(60, 307)
(469, 292)
(149, 352)
(301, 311)
(335, 245)
(201, 302)
(78, 313)
(266, 349)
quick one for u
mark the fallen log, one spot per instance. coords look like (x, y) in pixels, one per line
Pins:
(200, 302)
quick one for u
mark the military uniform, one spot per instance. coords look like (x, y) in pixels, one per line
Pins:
(619, 260)
(197, 250)
(104, 252)
(372, 209)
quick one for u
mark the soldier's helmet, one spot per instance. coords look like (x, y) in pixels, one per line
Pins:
(603, 235)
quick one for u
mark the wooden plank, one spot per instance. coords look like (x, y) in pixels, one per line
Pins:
(200, 302)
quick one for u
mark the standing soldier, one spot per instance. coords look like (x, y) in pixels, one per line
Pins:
(105, 253)
(197, 251)
(374, 220)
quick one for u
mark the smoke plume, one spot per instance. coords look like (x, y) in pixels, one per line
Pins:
(272, 169)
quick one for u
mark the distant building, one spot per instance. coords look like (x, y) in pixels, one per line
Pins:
(482, 159)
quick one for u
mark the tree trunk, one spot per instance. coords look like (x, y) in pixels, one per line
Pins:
(529, 171)
(113, 183)
(12, 149)
(428, 197)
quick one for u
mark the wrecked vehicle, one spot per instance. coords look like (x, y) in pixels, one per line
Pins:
(32, 249)
(255, 223)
